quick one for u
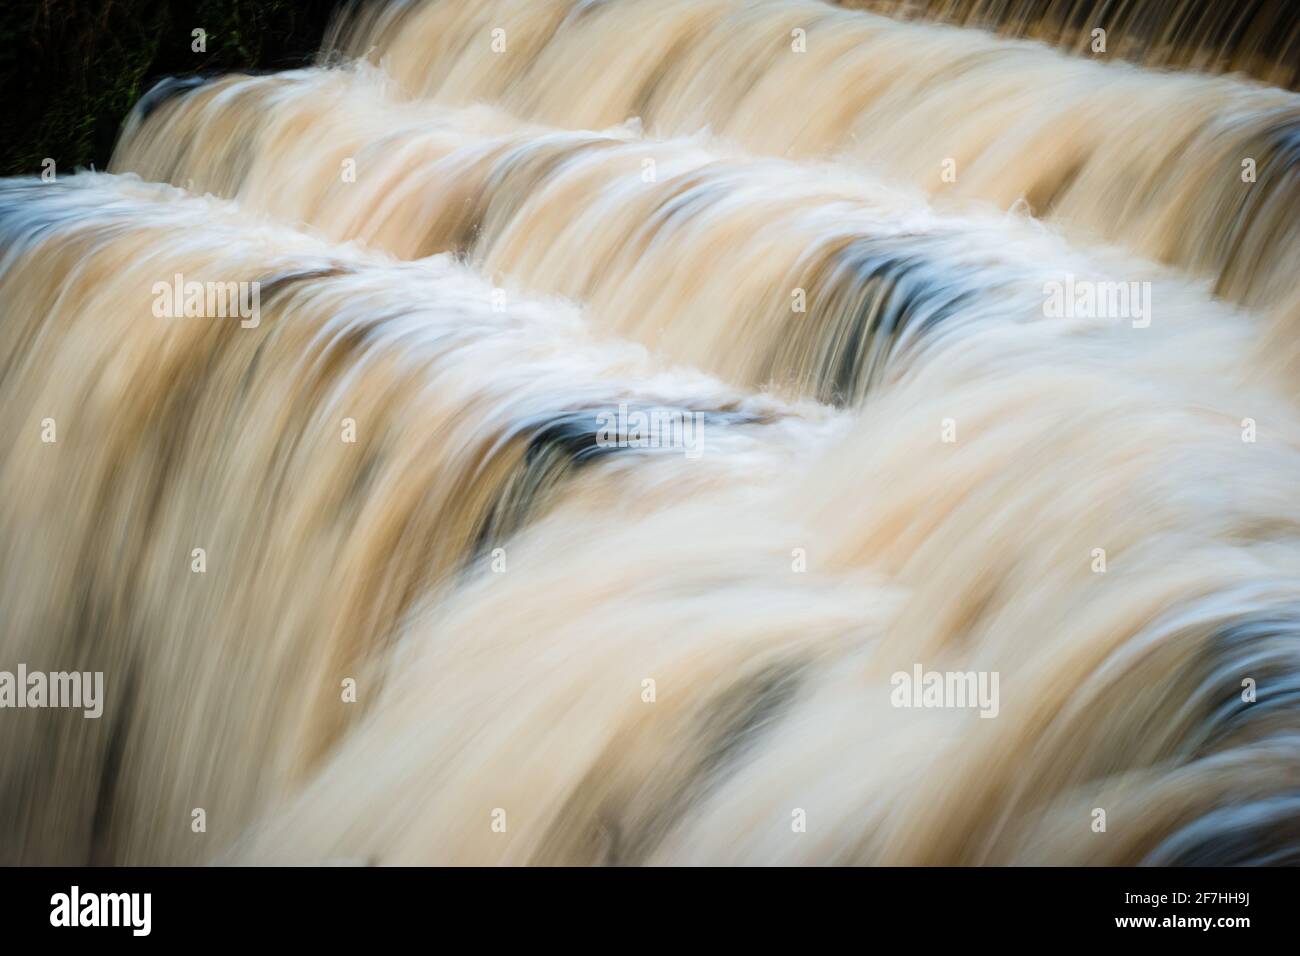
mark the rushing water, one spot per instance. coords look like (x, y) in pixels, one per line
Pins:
(565, 432)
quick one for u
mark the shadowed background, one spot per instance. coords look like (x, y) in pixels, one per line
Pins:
(70, 70)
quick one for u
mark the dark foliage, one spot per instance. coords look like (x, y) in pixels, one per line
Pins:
(70, 70)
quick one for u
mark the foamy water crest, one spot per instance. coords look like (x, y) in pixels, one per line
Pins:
(663, 432)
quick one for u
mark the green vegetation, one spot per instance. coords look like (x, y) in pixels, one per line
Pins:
(72, 69)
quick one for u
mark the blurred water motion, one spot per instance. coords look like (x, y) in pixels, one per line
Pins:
(666, 432)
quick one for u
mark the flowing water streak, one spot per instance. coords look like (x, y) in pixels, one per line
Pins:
(1258, 37)
(681, 660)
(1113, 152)
(803, 275)
(177, 433)
(1121, 691)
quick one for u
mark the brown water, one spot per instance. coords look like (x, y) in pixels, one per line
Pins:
(372, 578)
